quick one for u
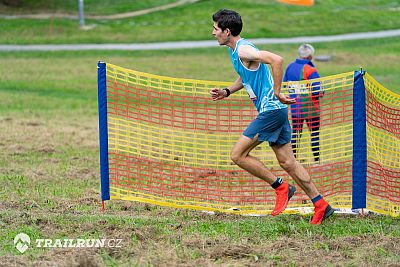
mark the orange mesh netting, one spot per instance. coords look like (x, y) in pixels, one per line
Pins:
(383, 140)
(169, 144)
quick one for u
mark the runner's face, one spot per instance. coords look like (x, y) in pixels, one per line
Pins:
(222, 36)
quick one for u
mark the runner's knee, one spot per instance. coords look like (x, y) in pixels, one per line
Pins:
(236, 157)
(288, 164)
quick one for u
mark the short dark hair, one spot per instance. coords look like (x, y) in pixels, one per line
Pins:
(229, 19)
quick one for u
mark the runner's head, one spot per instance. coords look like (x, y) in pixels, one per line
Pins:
(228, 19)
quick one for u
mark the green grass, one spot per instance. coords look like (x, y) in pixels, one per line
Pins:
(50, 171)
(193, 22)
(91, 7)
(49, 166)
(72, 75)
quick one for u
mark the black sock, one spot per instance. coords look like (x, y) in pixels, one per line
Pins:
(277, 183)
(315, 199)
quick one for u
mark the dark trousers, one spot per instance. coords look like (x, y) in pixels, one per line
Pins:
(313, 124)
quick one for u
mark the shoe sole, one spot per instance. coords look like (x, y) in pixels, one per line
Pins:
(292, 190)
(328, 212)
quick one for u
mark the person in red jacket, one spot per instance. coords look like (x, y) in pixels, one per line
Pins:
(307, 106)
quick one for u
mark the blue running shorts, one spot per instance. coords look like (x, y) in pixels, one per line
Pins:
(272, 126)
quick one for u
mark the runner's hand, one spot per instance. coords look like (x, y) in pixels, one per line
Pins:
(285, 99)
(217, 94)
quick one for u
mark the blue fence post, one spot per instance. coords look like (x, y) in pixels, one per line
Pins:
(359, 172)
(103, 130)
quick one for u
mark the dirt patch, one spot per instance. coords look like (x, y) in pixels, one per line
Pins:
(46, 150)
(6, 261)
(38, 134)
(69, 257)
(233, 252)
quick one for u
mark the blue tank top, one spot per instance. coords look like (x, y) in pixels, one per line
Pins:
(258, 83)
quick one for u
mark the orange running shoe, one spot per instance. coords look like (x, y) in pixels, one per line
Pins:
(322, 210)
(283, 193)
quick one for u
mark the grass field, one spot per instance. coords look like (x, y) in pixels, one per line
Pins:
(71, 7)
(193, 22)
(49, 167)
(50, 172)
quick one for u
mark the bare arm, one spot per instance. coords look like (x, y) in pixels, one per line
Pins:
(218, 94)
(248, 55)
